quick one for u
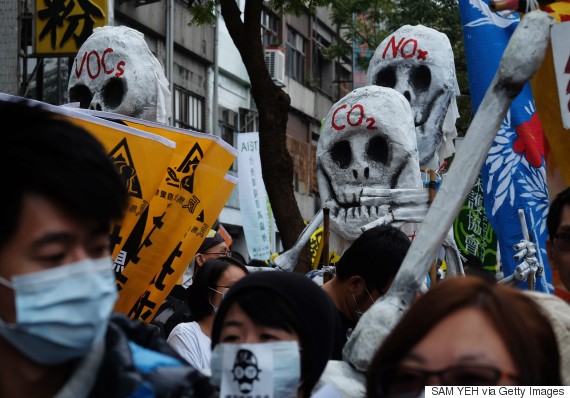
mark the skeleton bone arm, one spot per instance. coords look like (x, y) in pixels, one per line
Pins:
(286, 261)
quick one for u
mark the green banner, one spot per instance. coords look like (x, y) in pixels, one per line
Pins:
(472, 230)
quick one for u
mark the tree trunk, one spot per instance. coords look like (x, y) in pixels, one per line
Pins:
(273, 105)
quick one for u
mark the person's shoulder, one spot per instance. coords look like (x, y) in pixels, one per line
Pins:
(558, 313)
(185, 327)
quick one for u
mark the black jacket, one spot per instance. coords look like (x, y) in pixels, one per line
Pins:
(120, 375)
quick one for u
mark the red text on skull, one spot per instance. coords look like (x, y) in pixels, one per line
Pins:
(405, 48)
(93, 55)
(354, 117)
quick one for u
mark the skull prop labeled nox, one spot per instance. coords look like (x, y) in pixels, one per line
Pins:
(115, 71)
(367, 142)
(418, 62)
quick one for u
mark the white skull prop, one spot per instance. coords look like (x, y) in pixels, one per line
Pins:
(418, 62)
(115, 71)
(367, 141)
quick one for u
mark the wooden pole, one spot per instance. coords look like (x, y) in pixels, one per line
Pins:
(327, 271)
(432, 192)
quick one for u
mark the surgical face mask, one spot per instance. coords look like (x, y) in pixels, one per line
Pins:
(270, 370)
(61, 312)
(212, 305)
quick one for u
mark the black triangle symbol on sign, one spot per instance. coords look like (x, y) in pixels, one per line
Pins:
(200, 216)
(121, 156)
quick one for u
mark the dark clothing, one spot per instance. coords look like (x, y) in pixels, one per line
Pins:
(138, 362)
(346, 327)
(173, 311)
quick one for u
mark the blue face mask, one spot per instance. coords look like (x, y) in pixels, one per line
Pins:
(61, 312)
(263, 369)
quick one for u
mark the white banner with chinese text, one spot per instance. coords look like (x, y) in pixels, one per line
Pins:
(258, 225)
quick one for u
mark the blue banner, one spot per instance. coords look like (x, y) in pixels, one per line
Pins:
(514, 175)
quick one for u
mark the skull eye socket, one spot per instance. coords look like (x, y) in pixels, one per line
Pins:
(386, 77)
(114, 92)
(378, 150)
(420, 78)
(341, 154)
(80, 93)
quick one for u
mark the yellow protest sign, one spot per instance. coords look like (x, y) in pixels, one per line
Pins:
(138, 158)
(145, 290)
(186, 204)
(316, 247)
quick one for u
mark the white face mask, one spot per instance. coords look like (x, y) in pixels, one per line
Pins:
(271, 370)
(61, 312)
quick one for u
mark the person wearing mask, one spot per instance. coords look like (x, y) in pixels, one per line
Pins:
(59, 336)
(273, 334)
(466, 332)
(212, 280)
(363, 274)
(174, 309)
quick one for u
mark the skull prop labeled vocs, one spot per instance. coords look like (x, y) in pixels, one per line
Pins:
(367, 141)
(115, 71)
(417, 61)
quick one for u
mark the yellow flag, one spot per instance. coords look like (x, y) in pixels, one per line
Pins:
(149, 285)
(184, 206)
(138, 158)
(316, 246)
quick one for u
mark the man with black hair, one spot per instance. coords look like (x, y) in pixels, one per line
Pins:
(364, 273)
(59, 336)
(558, 243)
(474, 266)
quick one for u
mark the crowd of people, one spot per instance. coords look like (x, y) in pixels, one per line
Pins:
(226, 331)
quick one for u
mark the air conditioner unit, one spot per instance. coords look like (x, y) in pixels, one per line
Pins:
(275, 61)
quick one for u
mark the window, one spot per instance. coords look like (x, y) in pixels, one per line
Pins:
(295, 56)
(248, 120)
(323, 69)
(269, 29)
(188, 110)
(227, 126)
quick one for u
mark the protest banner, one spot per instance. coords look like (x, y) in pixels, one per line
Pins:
(184, 207)
(254, 203)
(162, 263)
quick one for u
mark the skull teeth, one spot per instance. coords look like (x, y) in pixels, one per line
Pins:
(357, 213)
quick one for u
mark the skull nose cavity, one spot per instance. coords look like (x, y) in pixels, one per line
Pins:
(366, 173)
(96, 106)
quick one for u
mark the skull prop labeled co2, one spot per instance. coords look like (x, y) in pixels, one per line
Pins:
(115, 71)
(417, 61)
(367, 143)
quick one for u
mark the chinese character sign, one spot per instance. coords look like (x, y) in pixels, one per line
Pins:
(63, 25)
(254, 203)
(472, 230)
